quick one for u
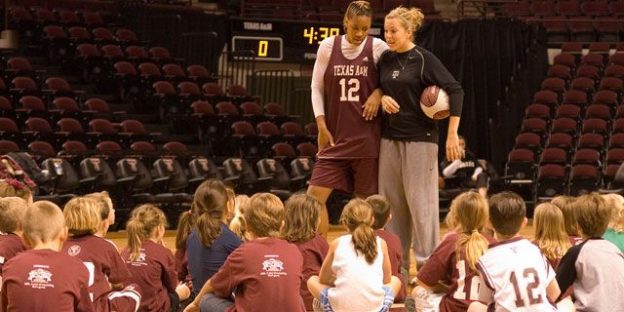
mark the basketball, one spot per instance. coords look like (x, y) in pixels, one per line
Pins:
(435, 103)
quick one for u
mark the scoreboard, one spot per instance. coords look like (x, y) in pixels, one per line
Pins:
(285, 41)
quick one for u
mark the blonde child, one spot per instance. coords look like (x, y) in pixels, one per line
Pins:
(43, 279)
(595, 267)
(151, 264)
(107, 269)
(550, 235)
(237, 224)
(514, 275)
(381, 209)
(301, 228)
(356, 274)
(210, 241)
(264, 274)
(615, 231)
(454, 261)
(107, 211)
(12, 210)
(565, 203)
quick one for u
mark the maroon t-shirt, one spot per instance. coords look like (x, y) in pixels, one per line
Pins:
(347, 84)
(462, 281)
(45, 280)
(104, 264)
(313, 252)
(154, 272)
(10, 246)
(395, 253)
(263, 273)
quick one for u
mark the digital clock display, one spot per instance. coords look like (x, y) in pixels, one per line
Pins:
(264, 48)
(300, 38)
(315, 35)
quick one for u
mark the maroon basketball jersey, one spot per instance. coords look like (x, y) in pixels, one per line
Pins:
(348, 83)
(45, 280)
(395, 253)
(104, 264)
(314, 252)
(444, 266)
(10, 246)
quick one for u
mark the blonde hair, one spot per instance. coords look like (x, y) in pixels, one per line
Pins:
(105, 201)
(144, 220)
(616, 201)
(451, 220)
(592, 214)
(550, 232)
(14, 188)
(358, 217)
(43, 222)
(470, 210)
(566, 204)
(411, 19)
(357, 8)
(237, 224)
(264, 215)
(208, 209)
(301, 218)
(12, 211)
(82, 216)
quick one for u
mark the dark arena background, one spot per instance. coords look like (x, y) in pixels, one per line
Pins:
(146, 99)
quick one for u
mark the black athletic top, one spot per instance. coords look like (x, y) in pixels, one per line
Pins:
(404, 76)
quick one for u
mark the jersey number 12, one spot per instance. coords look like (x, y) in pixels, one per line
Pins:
(349, 90)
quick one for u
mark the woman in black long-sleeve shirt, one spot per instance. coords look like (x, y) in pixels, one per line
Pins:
(408, 161)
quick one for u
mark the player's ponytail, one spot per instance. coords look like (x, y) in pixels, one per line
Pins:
(358, 217)
(471, 213)
(208, 210)
(144, 220)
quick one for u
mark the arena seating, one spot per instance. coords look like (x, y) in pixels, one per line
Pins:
(574, 124)
(108, 133)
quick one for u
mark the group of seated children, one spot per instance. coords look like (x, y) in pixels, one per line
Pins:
(235, 253)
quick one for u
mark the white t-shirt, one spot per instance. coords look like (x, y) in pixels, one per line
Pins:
(358, 284)
(518, 274)
(350, 51)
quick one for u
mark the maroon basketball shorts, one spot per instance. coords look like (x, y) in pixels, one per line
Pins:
(356, 175)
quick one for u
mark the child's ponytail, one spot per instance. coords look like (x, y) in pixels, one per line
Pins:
(470, 210)
(144, 221)
(365, 241)
(358, 217)
(135, 238)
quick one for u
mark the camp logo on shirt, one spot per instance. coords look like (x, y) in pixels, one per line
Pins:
(272, 267)
(39, 277)
(140, 261)
(73, 250)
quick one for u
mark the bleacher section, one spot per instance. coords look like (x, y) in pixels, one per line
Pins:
(100, 109)
(571, 136)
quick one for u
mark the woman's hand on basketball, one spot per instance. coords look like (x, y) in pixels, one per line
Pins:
(389, 105)
(453, 150)
(324, 138)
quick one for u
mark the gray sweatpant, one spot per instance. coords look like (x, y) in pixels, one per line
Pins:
(408, 178)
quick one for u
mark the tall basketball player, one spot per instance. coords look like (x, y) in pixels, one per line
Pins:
(345, 75)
